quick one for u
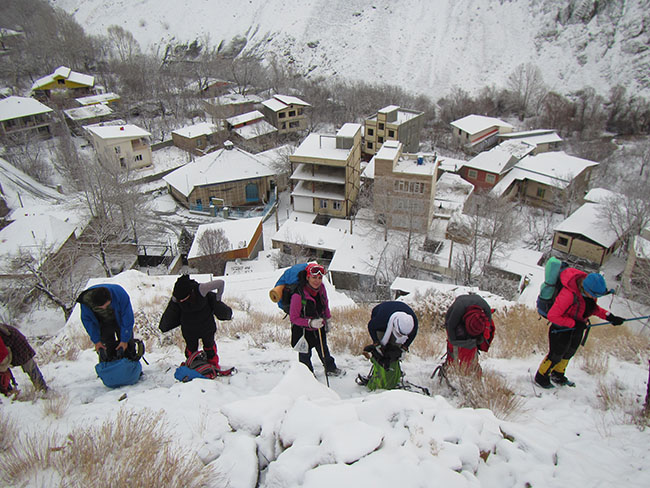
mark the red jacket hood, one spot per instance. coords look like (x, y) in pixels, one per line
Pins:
(569, 278)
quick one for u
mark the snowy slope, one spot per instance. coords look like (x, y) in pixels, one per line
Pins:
(422, 45)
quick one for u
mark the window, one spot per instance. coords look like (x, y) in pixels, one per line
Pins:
(138, 157)
(300, 111)
(282, 115)
(61, 81)
(370, 145)
(380, 140)
(337, 205)
(391, 133)
(323, 203)
(472, 173)
(371, 132)
(292, 113)
(293, 125)
(490, 178)
(416, 187)
(381, 126)
(118, 150)
(541, 192)
(284, 125)
(562, 241)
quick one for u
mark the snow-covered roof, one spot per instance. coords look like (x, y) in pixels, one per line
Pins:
(16, 107)
(88, 112)
(309, 235)
(39, 235)
(452, 192)
(642, 247)
(239, 234)
(257, 129)
(196, 130)
(555, 169)
(101, 98)
(290, 100)
(349, 129)
(369, 170)
(473, 124)
(389, 150)
(534, 137)
(20, 190)
(128, 131)
(280, 102)
(233, 99)
(247, 117)
(323, 146)
(501, 157)
(588, 222)
(600, 195)
(403, 115)
(217, 167)
(65, 73)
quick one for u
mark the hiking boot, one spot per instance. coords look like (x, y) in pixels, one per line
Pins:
(543, 381)
(362, 380)
(335, 372)
(560, 379)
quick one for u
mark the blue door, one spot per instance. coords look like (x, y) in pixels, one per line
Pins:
(252, 193)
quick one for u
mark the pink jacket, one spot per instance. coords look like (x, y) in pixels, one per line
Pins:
(570, 306)
(297, 313)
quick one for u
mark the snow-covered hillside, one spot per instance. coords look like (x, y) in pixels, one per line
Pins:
(422, 45)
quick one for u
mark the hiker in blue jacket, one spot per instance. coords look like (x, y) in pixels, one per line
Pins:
(107, 316)
(392, 327)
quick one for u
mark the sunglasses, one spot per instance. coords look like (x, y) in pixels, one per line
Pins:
(316, 271)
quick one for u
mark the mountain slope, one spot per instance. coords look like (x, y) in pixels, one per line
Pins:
(428, 47)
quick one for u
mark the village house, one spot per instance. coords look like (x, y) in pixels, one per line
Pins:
(63, 86)
(227, 177)
(229, 105)
(475, 133)
(77, 118)
(22, 118)
(199, 139)
(211, 87)
(286, 113)
(244, 241)
(393, 123)
(547, 179)
(326, 172)
(404, 187)
(487, 168)
(585, 235)
(127, 145)
(252, 132)
(543, 140)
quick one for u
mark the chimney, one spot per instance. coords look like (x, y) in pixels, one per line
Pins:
(228, 145)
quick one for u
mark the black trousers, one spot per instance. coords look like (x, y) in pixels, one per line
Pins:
(563, 342)
(314, 342)
(206, 336)
(109, 334)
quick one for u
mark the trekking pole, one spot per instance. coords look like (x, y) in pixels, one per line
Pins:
(602, 323)
(322, 351)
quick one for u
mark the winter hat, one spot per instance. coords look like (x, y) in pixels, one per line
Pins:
(182, 287)
(475, 320)
(594, 284)
(314, 269)
(400, 324)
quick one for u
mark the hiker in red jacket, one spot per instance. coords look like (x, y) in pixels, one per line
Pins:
(574, 304)
(469, 328)
(16, 351)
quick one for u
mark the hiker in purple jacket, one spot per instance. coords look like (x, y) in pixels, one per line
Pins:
(309, 314)
(19, 353)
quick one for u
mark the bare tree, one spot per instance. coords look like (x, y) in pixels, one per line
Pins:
(539, 225)
(212, 244)
(122, 42)
(497, 225)
(527, 86)
(27, 153)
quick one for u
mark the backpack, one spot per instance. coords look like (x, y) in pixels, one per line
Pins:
(290, 283)
(196, 366)
(381, 378)
(552, 285)
(120, 372)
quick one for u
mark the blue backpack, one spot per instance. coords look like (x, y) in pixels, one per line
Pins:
(119, 372)
(291, 281)
(552, 285)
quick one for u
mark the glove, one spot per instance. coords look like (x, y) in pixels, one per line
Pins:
(615, 320)
(317, 323)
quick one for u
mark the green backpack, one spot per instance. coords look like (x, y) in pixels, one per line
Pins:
(381, 378)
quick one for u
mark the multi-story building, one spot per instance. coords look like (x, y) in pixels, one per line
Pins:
(404, 187)
(286, 113)
(477, 132)
(127, 145)
(393, 123)
(326, 172)
(24, 117)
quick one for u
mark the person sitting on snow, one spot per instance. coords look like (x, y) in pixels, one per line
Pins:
(15, 350)
(107, 316)
(193, 306)
(470, 328)
(574, 304)
(392, 327)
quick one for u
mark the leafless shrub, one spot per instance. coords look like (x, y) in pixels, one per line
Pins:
(519, 333)
(594, 362)
(8, 431)
(135, 449)
(56, 404)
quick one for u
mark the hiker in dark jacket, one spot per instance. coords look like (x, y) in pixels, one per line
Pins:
(574, 304)
(107, 316)
(193, 306)
(19, 353)
(470, 328)
(393, 326)
(309, 313)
